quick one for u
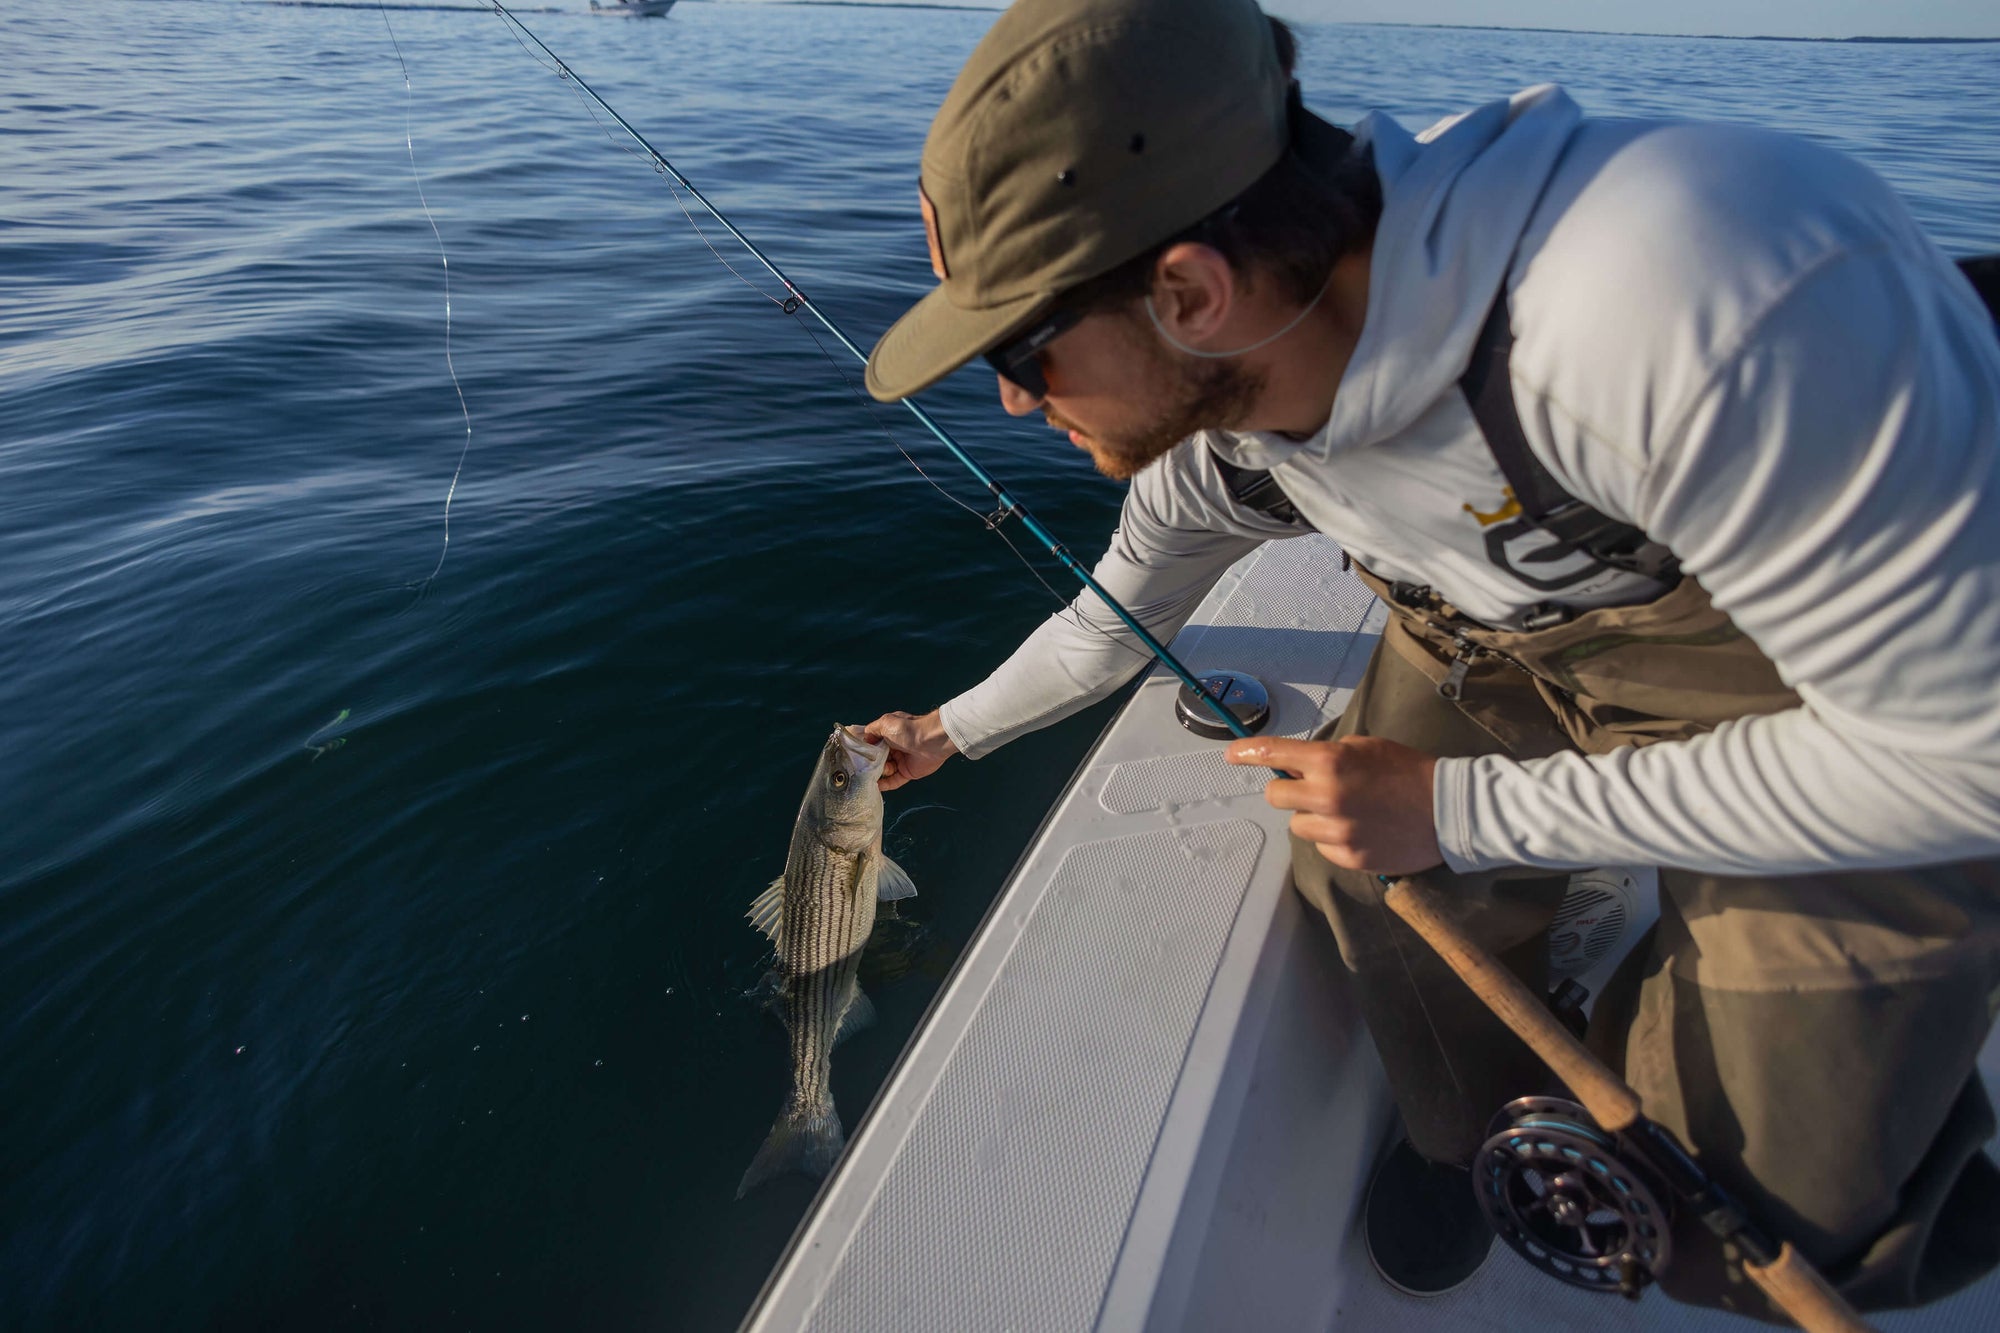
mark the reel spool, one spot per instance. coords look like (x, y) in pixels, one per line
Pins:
(1557, 1191)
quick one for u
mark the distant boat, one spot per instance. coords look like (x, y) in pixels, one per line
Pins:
(638, 9)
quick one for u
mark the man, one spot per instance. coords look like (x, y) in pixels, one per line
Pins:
(1753, 638)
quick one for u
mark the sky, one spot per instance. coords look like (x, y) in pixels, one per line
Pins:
(1738, 18)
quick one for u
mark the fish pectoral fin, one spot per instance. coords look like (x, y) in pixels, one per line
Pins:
(860, 1013)
(768, 912)
(893, 884)
(769, 993)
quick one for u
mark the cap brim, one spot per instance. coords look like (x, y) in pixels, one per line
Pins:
(935, 337)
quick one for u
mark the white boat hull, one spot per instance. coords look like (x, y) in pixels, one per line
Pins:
(1145, 1102)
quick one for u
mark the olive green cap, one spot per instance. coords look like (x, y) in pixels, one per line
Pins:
(1080, 133)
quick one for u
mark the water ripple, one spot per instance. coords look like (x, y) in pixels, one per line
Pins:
(374, 946)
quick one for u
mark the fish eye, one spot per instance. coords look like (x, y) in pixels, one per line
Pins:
(839, 778)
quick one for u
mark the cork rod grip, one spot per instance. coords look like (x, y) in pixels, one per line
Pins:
(1610, 1102)
(1791, 1283)
(1797, 1288)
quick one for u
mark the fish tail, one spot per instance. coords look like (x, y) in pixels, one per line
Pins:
(804, 1140)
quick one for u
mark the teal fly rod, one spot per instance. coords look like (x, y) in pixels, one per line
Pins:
(1009, 506)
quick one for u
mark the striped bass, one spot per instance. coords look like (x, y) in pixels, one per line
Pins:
(818, 914)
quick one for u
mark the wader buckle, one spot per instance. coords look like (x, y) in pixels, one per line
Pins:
(1546, 616)
(1416, 596)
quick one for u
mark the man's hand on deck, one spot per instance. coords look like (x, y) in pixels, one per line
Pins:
(1364, 802)
(917, 746)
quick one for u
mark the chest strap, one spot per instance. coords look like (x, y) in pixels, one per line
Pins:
(1574, 525)
(1254, 488)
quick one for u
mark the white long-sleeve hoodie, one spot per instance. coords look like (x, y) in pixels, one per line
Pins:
(1736, 340)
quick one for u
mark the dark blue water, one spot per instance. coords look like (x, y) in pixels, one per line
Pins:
(371, 950)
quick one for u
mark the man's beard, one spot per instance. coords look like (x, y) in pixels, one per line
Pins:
(1206, 395)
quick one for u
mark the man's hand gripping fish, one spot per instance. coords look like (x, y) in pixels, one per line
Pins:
(818, 914)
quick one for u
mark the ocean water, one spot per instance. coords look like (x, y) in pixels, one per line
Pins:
(371, 939)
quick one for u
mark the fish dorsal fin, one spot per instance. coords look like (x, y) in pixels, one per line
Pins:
(768, 912)
(893, 883)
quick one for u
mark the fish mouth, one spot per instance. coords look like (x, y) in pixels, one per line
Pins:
(867, 759)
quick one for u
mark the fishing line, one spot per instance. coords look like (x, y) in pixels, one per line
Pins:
(561, 71)
(1389, 926)
(874, 409)
(680, 201)
(897, 821)
(795, 300)
(409, 144)
(1065, 606)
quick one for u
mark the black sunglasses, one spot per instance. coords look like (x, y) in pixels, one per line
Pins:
(1019, 361)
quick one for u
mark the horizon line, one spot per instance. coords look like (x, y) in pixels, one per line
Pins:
(1859, 38)
(1595, 32)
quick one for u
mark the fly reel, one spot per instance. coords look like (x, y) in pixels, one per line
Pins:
(1557, 1190)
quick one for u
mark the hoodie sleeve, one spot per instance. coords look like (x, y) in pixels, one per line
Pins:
(1835, 485)
(1177, 535)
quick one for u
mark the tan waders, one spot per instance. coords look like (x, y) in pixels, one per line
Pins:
(1812, 1037)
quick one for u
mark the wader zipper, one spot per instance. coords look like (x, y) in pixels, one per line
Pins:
(1453, 683)
(1420, 602)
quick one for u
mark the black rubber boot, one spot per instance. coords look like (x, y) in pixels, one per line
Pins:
(1426, 1234)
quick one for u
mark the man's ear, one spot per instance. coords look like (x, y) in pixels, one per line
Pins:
(1194, 292)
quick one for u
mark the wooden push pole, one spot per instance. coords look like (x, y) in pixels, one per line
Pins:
(1794, 1285)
